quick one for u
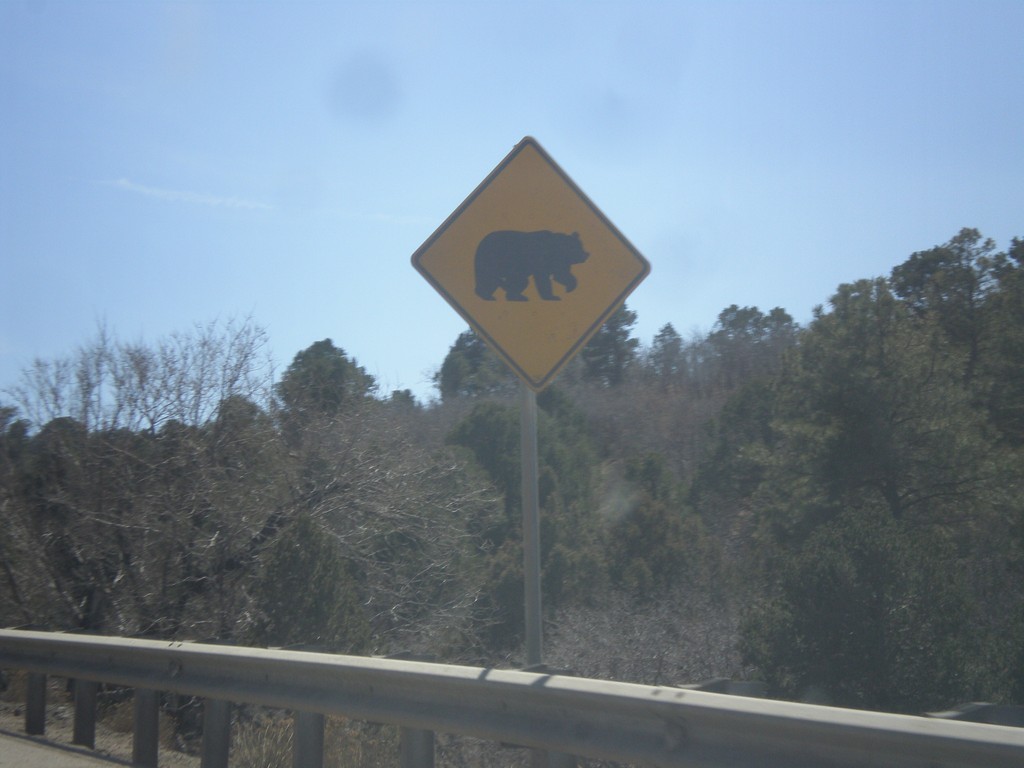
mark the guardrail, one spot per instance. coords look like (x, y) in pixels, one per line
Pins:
(607, 720)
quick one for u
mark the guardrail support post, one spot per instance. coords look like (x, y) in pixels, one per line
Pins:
(417, 748)
(216, 733)
(85, 713)
(35, 704)
(145, 728)
(308, 743)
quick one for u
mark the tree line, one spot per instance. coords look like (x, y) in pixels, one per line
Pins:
(836, 509)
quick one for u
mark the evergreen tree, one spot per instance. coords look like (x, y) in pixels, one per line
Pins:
(1003, 367)
(745, 343)
(609, 354)
(666, 357)
(321, 381)
(950, 283)
(871, 612)
(882, 493)
(471, 369)
(656, 543)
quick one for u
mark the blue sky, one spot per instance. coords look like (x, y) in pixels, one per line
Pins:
(164, 165)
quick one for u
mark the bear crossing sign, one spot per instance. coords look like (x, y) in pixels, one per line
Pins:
(531, 264)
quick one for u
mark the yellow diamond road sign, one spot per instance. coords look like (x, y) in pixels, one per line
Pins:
(531, 264)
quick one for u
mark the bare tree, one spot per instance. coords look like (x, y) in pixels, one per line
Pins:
(147, 475)
(685, 636)
(108, 384)
(406, 515)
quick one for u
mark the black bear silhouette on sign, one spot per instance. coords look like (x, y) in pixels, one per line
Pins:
(507, 259)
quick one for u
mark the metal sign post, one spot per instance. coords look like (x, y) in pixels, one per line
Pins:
(531, 523)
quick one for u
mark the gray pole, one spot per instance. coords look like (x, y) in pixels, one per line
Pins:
(531, 522)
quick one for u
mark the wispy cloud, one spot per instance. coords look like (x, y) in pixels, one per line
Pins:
(390, 218)
(185, 196)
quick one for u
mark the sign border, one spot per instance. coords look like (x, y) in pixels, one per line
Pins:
(645, 267)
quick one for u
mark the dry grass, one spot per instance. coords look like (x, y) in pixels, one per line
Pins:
(265, 738)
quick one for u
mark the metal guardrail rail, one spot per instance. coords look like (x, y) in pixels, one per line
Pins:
(599, 719)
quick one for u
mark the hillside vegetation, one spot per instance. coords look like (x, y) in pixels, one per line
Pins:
(836, 509)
